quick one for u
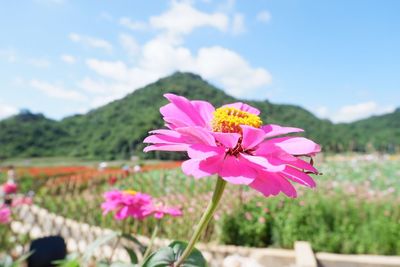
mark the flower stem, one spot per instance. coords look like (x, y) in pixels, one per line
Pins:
(114, 248)
(149, 247)
(205, 219)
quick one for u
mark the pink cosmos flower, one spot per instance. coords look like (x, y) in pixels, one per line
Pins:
(126, 204)
(5, 215)
(160, 210)
(231, 142)
(10, 188)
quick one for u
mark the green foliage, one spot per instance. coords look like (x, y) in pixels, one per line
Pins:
(8, 261)
(331, 222)
(117, 129)
(167, 256)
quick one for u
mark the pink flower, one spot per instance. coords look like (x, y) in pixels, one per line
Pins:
(160, 210)
(231, 142)
(5, 215)
(112, 180)
(22, 201)
(10, 188)
(126, 204)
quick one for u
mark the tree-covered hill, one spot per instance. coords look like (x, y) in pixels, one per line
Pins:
(117, 129)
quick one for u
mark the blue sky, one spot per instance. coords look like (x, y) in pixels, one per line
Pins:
(338, 59)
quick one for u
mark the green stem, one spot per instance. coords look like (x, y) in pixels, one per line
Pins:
(205, 219)
(149, 247)
(114, 248)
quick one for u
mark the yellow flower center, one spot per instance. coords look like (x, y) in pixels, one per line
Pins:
(130, 192)
(229, 119)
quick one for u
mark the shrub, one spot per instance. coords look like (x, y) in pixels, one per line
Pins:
(332, 222)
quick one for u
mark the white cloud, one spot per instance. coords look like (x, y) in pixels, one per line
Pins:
(8, 54)
(106, 16)
(91, 41)
(132, 25)
(238, 26)
(264, 16)
(116, 70)
(56, 91)
(165, 53)
(321, 112)
(359, 111)
(182, 18)
(231, 70)
(227, 6)
(158, 59)
(39, 62)
(129, 44)
(68, 59)
(7, 110)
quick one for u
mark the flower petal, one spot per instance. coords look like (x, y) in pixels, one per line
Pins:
(176, 122)
(243, 107)
(185, 107)
(166, 132)
(266, 184)
(251, 136)
(229, 140)
(301, 164)
(194, 135)
(287, 187)
(276, 156)
(164, 139)
(205, 109)
(298, 176)
(298, 146)
(237, 171)
(274, 130)
(122, 213)
(200, 168)
(262, 163)
(166, 147)
(200, 151)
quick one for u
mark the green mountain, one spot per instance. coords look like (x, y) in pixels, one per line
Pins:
(117, 129)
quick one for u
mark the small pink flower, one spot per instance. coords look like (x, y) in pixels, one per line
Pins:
(248, 216)
(21, 201)
(191, 210)
(261, 220)
(160, 210)
(10, 188)
(231, 142)
(126, 204)
(5, 215)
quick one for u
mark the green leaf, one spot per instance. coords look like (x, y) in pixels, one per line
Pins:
(167, 256)
(72, 260)
(19, 262)
(122, 264)
(129, 237)
(7, 261)
(100, 241)
(132, 255)
(162, 257)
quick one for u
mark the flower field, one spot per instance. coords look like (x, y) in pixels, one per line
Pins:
(354, 208)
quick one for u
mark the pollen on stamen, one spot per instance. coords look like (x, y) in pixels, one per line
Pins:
(229, 119)
(130, 192)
